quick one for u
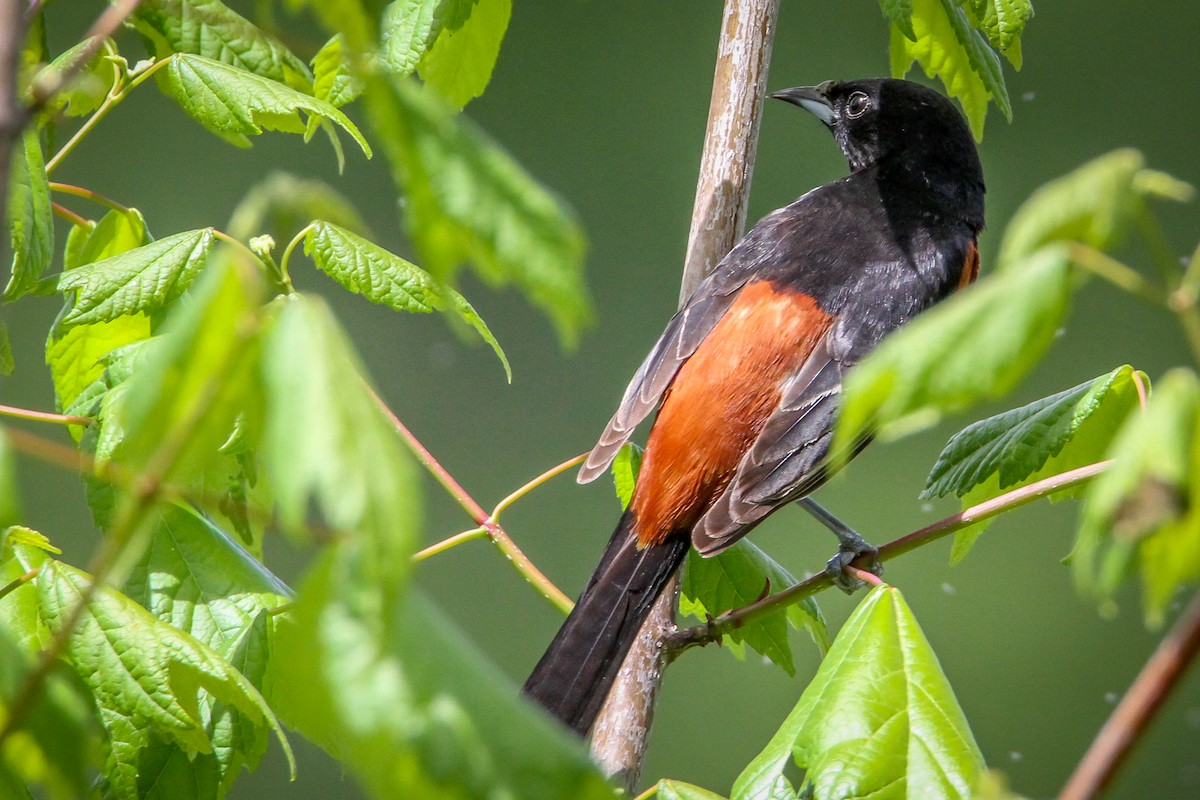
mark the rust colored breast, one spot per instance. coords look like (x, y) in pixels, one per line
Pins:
(719, 402)
(970, 270)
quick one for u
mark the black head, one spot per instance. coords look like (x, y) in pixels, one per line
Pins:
(900, 125)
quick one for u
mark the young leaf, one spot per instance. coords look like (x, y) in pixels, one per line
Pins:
(1095, 204)
(737, 577)
(1144, 511)
(878, 720)
(1018, 443)
(1003, 21)
(468, 201)
(146, 676)
(625, 468)
(284, 203)
(976, 345)
(87, 90)
(1049, 436)
(333, 80)
(236, 104)
(211, 29)
(947, 47)
(899, 14)
(678, 790)
(30, 219)
(146, 279)
(327, 446)
(460, 63)
(411, 707)
(194, 577)
(382, 277)
(410, 28)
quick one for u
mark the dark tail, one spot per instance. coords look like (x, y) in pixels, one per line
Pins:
(577, 670)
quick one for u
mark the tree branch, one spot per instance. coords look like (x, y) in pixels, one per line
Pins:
(1137, 708)
(718, 217)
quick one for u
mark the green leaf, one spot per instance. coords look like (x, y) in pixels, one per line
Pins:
(878, 720)
(410, 28)
(1094, 204)
(737, 577)
(211, 29)
(975, 345)
(899, 14)
(145, 279)
(1018, 443)
(145, 675)
(326, 444)
(625, 469)
(10, 507)
(194, 577)
(460, 63)
(236, 104)
(468, 201)
(948, 48)
(333, 80)
(1144, 510)
(284, 203)
(87, 90)
(30, 218)
(382, 277)
(1003, 22)
(411, 707)
(76, 358)
(678, 790)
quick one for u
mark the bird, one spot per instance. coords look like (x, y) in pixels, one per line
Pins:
(748, 374)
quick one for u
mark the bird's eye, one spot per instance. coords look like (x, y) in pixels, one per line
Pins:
(857, 105)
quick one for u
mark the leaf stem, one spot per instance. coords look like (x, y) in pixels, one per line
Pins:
(1120, 275)
(286, 258)
(536, 482)
(1191, 275)
(113, 99)
(1166, 260)
(495, 533)
(450, 542)
(88, 194)
(17, 583)
(69, 215)
(1137, 708)
(714, 629)
(43, 416)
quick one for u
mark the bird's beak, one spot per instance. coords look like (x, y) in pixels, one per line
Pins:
(811, 99)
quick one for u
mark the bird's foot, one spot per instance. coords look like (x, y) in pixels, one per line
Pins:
(851, 547)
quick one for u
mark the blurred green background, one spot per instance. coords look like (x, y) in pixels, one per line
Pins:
(606, 103)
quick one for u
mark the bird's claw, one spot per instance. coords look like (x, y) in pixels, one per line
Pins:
(847, 554)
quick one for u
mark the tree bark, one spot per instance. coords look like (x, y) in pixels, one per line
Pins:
(718, 219)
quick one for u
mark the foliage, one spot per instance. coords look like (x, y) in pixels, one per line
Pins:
(211, 403)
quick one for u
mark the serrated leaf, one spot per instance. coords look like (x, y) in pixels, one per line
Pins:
(284, 203)
(948, 48)
(737, 577)
(210, 28)
(625, 468)
(899, 14)
(1003, 22)
(411, 708)
(1094, 204)
(460, 63)
(333, 80)
(878, 720)
(470, 202)
(30, 218)
(1017, 444)
(76, 358)
(410, 28)
(236, 104)
(678, 790)
(975, 345)
(1050, 436)
(198, 580)
(146, 676)
(1143, 512)
(383, 277)
(146, 279)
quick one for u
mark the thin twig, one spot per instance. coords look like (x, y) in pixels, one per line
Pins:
(1137, 708)
(43, 416)
(450, 542)
(87, 194)
(17, 583)
(536, 482)
(715, 629)
(69, 215)
(1120, 275)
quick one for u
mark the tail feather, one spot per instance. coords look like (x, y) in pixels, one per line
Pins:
(577, 670)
